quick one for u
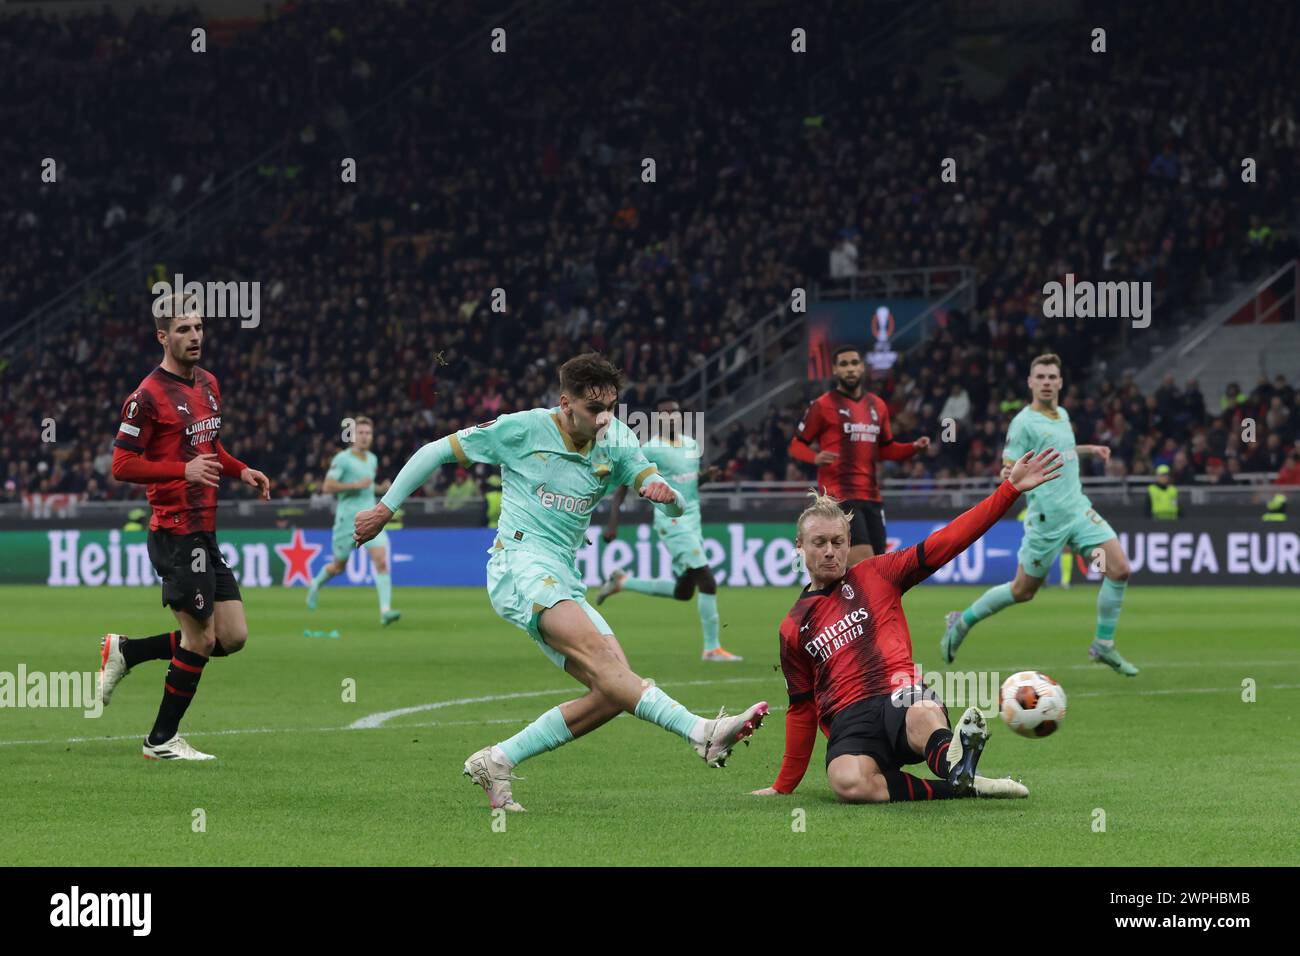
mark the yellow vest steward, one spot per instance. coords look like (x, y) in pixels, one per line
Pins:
(1164, 501)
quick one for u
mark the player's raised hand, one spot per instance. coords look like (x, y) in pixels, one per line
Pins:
(824, 458)
(922, 442)
(1032, 470)
(369, 523)
(251, 476)
(203, 470)
(1102, 452)
(383, 486)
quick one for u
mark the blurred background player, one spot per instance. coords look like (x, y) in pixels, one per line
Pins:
(169, 439)
(556, 465)
(1060, 515)
(846, 654)
(351, 476)
(850, 427)
(677, 457)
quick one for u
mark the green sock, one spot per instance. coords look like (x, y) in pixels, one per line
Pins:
(1067, 567)
(650, 586)
(658, 708)
(1109, 601)
(321, 577)
(986, 605)
(708, 605)
(545, 733)
(384, 585)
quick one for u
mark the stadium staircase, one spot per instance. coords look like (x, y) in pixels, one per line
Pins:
(1254, 332)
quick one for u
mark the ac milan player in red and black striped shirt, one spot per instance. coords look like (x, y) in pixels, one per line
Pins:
(168, 439)
(850, 427)
(847, 657)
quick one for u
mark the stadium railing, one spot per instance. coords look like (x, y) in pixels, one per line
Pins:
(943, 494)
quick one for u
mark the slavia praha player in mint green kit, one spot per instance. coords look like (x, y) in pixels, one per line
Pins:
(556, 465)
(1060, 515)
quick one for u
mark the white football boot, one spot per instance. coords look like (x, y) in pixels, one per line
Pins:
(174, 749)
(723, 733)
(112, 666)
(494, 776)
(1000, 788)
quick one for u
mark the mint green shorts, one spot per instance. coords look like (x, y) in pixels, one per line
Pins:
(685, 546)
(522, 584)
(1044, 540)
(342, 542)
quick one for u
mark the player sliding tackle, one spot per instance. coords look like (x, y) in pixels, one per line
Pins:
(847, 657)
(556, 464)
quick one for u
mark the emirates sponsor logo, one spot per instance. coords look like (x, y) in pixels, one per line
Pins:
(834, 636)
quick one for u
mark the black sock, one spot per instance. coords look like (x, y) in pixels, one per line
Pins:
(936, 752)
(157, 648)
(904, 787)
(178, 689)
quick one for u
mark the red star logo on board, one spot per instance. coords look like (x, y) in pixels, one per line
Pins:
(297, 556)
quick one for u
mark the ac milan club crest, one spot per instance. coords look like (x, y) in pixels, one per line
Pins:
(198, 602)
(847, 592)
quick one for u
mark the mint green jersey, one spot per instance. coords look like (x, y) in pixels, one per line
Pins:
(345, 469)
(679, 465)
(1061, 499)
(549, 487)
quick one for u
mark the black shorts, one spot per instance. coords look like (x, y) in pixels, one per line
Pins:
(193, 572)
(877, 727)
(867, 526)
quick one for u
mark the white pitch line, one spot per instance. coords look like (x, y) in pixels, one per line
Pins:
(381, 718)
(1160, 692)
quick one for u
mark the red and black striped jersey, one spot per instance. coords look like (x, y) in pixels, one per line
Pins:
(857, 431)
(849, 640)
(171, 420)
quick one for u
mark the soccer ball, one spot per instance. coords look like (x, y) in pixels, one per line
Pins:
(1031, 703)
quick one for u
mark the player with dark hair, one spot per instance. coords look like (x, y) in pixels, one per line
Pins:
(847, 658)
(850, 427)
(677, 455)
(168, 440)
(556, 465)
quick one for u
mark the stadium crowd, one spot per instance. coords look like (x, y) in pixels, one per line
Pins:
(376, 295)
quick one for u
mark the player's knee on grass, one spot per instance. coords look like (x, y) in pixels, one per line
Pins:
(851, 783)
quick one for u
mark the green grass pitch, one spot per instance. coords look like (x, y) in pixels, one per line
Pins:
(1185, 771)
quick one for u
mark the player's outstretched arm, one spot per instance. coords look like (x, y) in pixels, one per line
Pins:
(414, 473)
(967, 528)
(800, 736)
